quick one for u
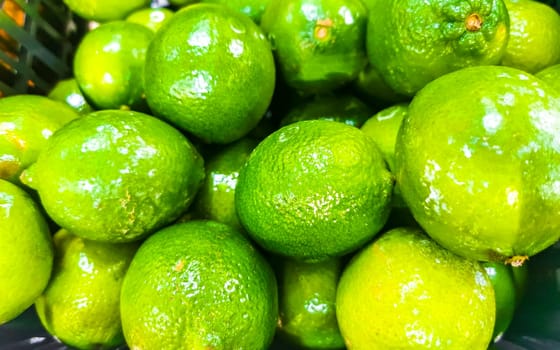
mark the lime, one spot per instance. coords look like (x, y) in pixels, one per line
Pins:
(109, 65)
(343, 108)
(370, 85)
(533, 37)
(253, 9)
(216, 197)
(199, 285)
(80, 306)
(475, 163)
(520, 279)
(181, 3)
(115, 175)
(26, 123)
(319, 45)
(152, 18)
(551, 75)
(412, 42)
(307, 304)
(68, 91)
(314, 189)
(404, 291)
(505, 292)
(105, 10)
(383, 128)
(211, 73)
(26, 251)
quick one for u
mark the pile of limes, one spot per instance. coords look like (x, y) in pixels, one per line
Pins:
(321, 174)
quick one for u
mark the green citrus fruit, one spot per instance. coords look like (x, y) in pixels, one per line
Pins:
(105, 10)
(412, 42)
(152, 18)
(199, 285)
(404, 291)
(116, 175)
(520, 279)
(307, 297)
(68, 91)
(505, 292)
(475, 163)
(343, 108)
(181, 3)
(210, 71)
(253, 9)
(319, 45)
(551, 75)
(26, 251)
(533, 37)
(215, 199)
(314, 189)
(26, 123)
(383, 128)
(80, 305)
(109, 65)
(370, 85)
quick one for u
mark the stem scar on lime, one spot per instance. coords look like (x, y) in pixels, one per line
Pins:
(517, 260)
(322, 29)
(473, 22)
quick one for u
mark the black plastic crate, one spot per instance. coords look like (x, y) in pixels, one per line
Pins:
(37, 41)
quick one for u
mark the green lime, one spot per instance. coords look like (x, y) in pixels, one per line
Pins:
(520, 279)
(371, 86)
(314, 189)
(412, 42)
(476, 163)
(307, 298)
(26, 123)
(216, 197)
(80, 305)
(383, 128)
(253, 9)
(343, 108)
(182, 3)
(105, 10)
(199, 285)
(551, 75)
(319, 45)
(533, 36)
(505, 292)
(211, 73)
(116, 176)
(153, 17)
(404, 291)
(68, 91)
(26, 251)
(109, 65)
